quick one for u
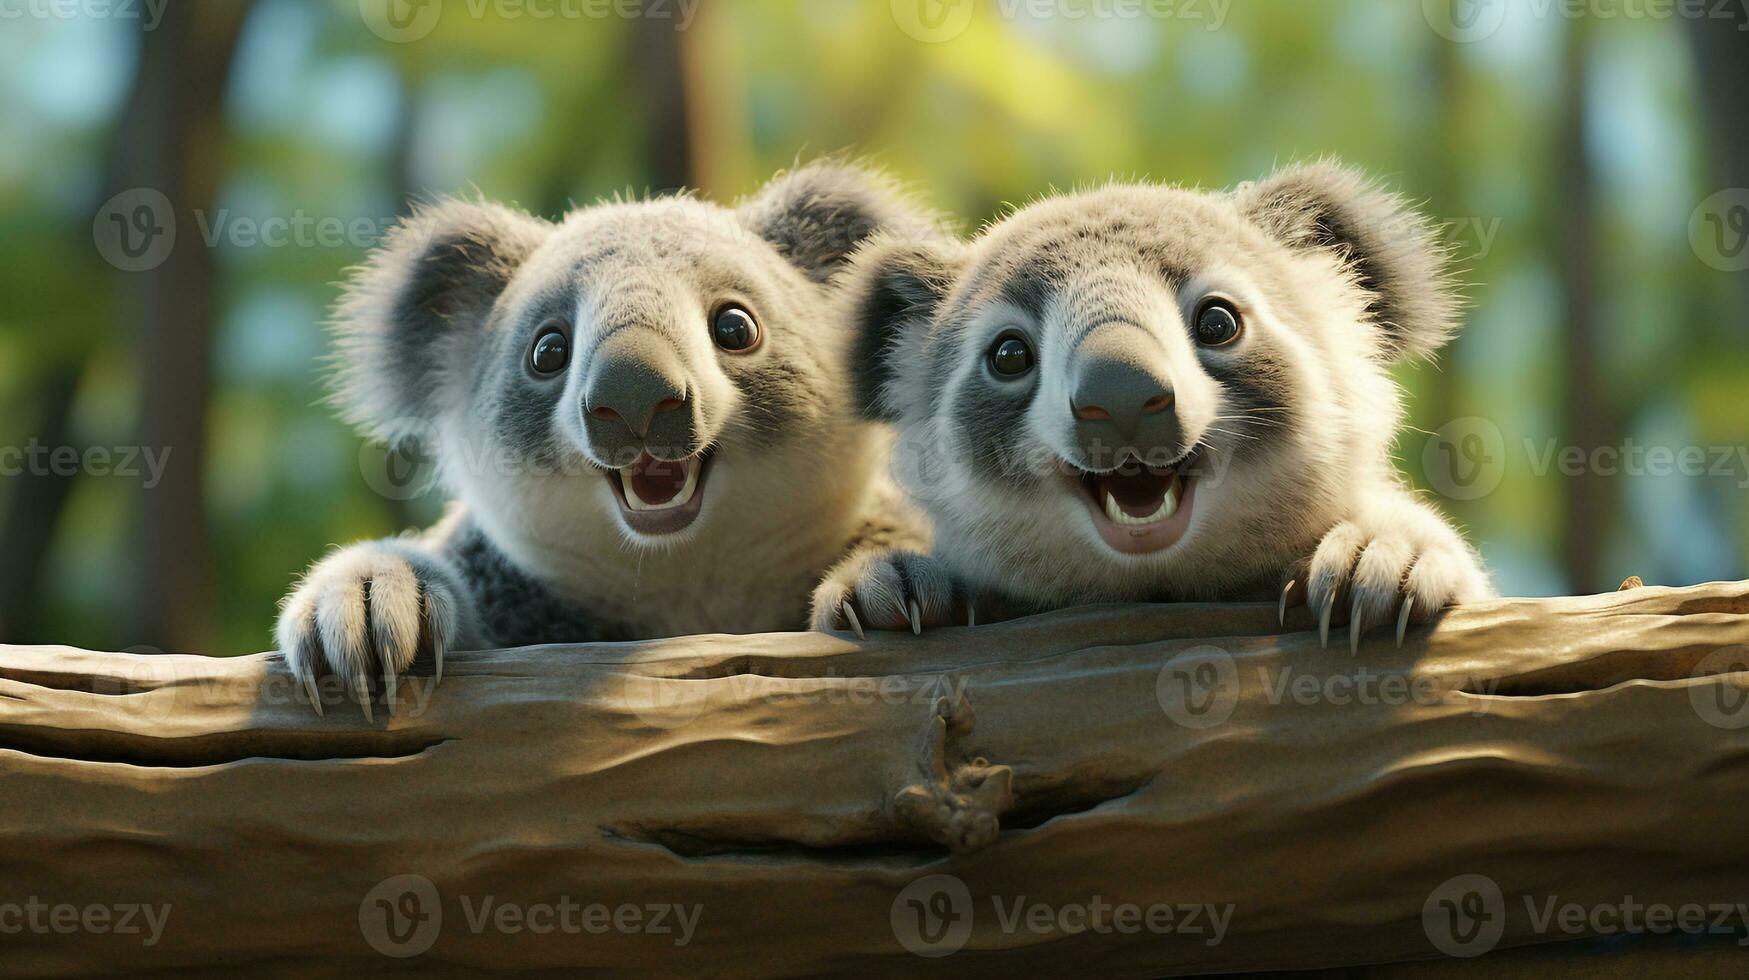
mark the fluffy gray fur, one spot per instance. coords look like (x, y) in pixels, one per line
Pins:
(435, 331)
(1292, 425)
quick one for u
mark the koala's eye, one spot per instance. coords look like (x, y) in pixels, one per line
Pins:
(734, 329)
(1218, 323)
(551, 351)
(1011, 356)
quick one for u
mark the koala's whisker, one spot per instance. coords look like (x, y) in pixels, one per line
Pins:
(1250, 420)
(1247, 422)
(1230, 433)
(1264, 410)
(1259, 413)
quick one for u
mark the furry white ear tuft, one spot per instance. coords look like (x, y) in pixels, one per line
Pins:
(895, 284)
(816, 215)
(1392, 250)
(416, 305)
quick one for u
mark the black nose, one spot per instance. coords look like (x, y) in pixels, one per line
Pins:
(636, 392)
(633, 394)
(1120, 395)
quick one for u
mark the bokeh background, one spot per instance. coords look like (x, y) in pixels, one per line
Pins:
(182, 185)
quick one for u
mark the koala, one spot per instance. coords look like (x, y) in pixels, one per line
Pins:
(1150, 393)
(642, 415)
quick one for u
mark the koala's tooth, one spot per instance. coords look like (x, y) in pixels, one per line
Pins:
(633, 501)
(691, 484)
(1168, 507)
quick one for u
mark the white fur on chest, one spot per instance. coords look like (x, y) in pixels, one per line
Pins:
(750, 568)
(743, 586)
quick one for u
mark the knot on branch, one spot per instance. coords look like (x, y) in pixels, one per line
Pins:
(957, 802)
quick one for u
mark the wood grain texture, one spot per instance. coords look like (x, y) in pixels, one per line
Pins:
(791, 790)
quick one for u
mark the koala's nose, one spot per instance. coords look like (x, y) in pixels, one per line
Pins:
(636, 392)
(637, 386)
(1119, 394)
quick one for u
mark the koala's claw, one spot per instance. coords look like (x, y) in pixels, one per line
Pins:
(309, 685)
(855, 624)
(1407, 561)
(1324, 620)
(364, 614)
(361, 691)
(890, 591)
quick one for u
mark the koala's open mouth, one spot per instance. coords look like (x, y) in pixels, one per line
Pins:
(661, 496)
(1139, 509)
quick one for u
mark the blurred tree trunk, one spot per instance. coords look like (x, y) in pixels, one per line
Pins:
(714, 77)
(173, 141)
(1584, 415)
(555, 198)
(1443, 188)
(401, 182)
(1721, 50)
(655, 59)
(34, 508)
(657, 76)
(402, 187)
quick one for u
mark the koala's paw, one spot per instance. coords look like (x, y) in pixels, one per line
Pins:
(891, 590)
(363, 614)
(1408, 567)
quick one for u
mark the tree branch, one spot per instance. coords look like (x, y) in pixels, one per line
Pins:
(790, 787)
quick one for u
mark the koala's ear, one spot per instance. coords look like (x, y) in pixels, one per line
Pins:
(893, 287)
(1392, 251)
(817, 215)
(413, 314)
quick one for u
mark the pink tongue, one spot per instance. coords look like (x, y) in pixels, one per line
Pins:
(656, 481)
